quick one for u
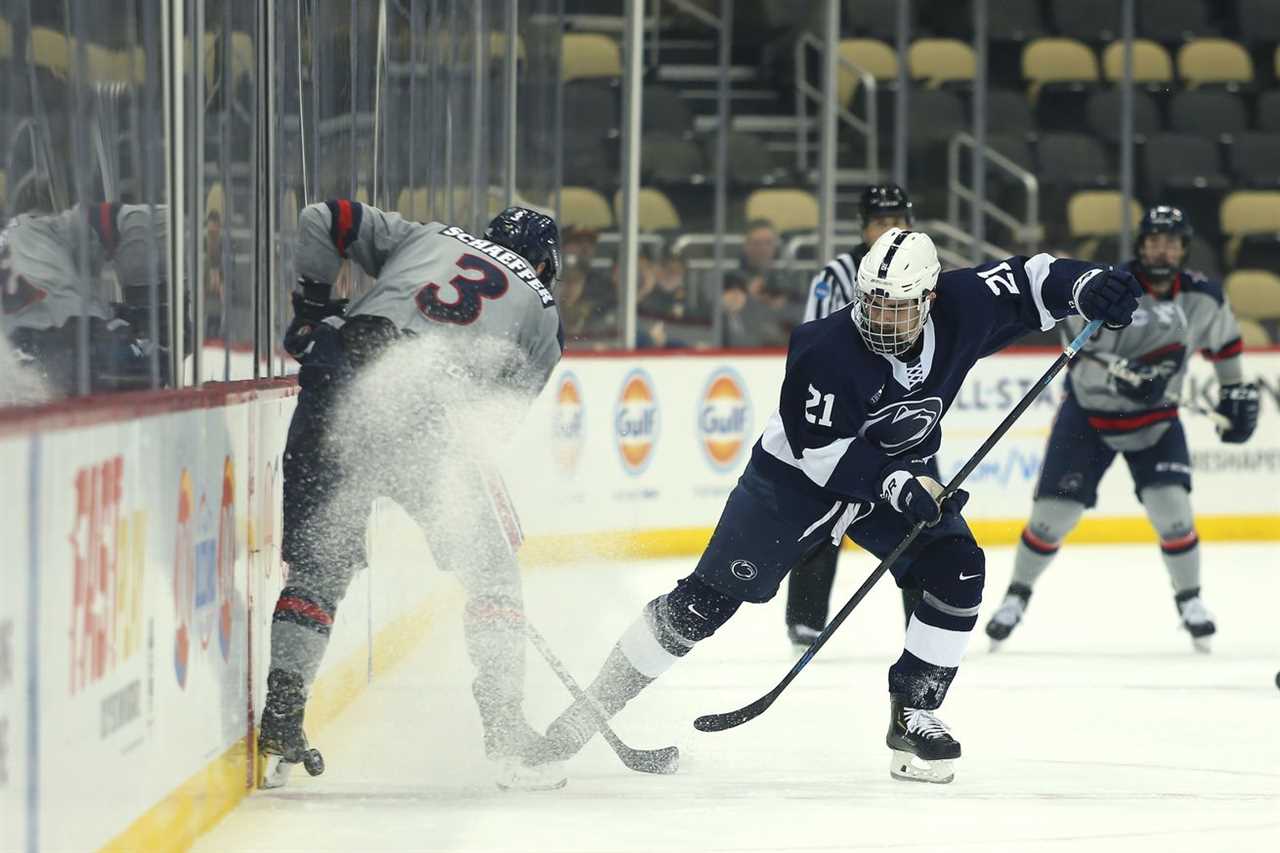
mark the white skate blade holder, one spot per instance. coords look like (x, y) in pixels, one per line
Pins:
(276, 771)
(512, 774)
(911, 768)
(1203, 645)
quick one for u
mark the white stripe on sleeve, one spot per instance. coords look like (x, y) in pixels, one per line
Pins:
(1037, 268)
(817, 463)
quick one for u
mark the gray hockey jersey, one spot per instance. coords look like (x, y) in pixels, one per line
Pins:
(41, 286)
(436, 279)
(1166, 331)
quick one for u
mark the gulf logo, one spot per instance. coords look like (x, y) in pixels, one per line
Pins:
(724, 419)
(636, 422)
(568, 432)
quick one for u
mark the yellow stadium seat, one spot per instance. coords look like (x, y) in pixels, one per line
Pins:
(1254, 294)
(581, 207)
(1151, 62)
(1250, 212)
(589, 55)
(656, 211)
(1214, 60)
(215, 202)
(50, 50)
(1096, 213)
(1253, 333)
(788, 210)
(1057, 60)
(413, 204)
(873, 56)
(1277, 61)
(6, 39)
(938, 61)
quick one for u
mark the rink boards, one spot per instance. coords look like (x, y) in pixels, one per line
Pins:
(141, 557)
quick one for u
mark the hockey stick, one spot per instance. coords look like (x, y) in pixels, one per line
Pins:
(663, 760)
(730, 719)
(1220, 421)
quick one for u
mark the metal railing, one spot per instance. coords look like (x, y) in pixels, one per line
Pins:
(868, 128)
(1027, 232)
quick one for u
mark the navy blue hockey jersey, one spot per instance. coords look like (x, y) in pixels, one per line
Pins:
(845, 413)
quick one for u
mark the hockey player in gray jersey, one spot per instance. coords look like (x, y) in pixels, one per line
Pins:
(452, 318)
(1122, 397)
(45, 293)
(882, 206)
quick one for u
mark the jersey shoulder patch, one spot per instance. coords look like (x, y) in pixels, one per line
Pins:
(1196, 282)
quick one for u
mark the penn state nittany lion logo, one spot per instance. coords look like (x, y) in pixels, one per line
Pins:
(902, 425)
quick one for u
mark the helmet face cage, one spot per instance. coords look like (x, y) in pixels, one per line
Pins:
(889, 326)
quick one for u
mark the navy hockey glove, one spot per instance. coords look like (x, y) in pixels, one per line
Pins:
(1110, 296)
(1239, 403)
(366, 336)
(311, 307)
(916, 497)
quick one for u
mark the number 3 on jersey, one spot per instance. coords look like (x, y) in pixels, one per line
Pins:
(816, 398)
(472, 292)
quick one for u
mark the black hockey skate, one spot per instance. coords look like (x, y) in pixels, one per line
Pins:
(522, 758)
(1008, 614)
(281, 740)
(923, 748)
(1196, 619)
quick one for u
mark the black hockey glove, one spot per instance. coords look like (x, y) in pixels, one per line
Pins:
(367, 336)
(916, 496)
(311, 307)
(1239, 403)
(1142, 383)
(1110, 296)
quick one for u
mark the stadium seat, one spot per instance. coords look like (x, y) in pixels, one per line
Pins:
(1258, 20)
(588, 55)
(1103, 113)
(1173, 20)
(876, 57)
(1257, 251)
(933, 117)
(1250, 212)
(1074, 160)
(1208, 112)
(788, 209)
(1058, 60)
(656, 212)
(1151, 62)
(667, 158)
(1009, 112)
(874, 18)
(1015, 147)
(1181, 161)
(750, 163)
(1087, 20)
(1203, 257)
(583, 207)
(937, 61)
(1269, 109)
(1212, 61)
(1253, 333)
(1255, 159)
(591, 113)
(1254, 294)
(6, 40)
(1096, 213)
(665, 111)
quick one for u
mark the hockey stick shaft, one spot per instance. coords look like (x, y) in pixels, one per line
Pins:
(661, 760)
(720, 722)
(1220, 421)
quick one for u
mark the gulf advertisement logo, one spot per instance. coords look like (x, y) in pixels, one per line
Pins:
(568, 433)
(724, 420)
(636, 421)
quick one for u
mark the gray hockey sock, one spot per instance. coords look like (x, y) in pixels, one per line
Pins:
(1051, 520)
(1169, 509)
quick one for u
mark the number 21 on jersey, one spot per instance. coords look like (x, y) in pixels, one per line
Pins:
(472, 292)
(817, 398)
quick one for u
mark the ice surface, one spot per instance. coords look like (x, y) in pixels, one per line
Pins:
(1096, 727)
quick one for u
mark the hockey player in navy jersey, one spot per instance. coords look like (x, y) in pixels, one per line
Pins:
(1123, 398)
(882, 206)
(845, 453)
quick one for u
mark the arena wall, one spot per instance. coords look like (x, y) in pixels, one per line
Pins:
(141, 557)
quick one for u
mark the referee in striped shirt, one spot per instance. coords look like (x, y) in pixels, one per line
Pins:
(883, 206)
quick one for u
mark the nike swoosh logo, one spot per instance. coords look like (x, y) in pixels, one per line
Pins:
(964, 577)
(695, 612)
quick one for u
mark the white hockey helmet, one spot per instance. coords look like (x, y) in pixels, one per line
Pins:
(891, 301)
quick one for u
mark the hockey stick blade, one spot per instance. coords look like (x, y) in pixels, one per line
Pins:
(731, 719)
(662, 761)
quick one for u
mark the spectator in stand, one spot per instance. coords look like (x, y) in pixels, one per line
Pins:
(668, 296)
(748, 321)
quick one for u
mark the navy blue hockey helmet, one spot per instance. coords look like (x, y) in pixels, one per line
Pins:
(531, 235)
(1163, 219)
(885, 200)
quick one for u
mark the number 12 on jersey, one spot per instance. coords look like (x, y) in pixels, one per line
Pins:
(816, 398)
